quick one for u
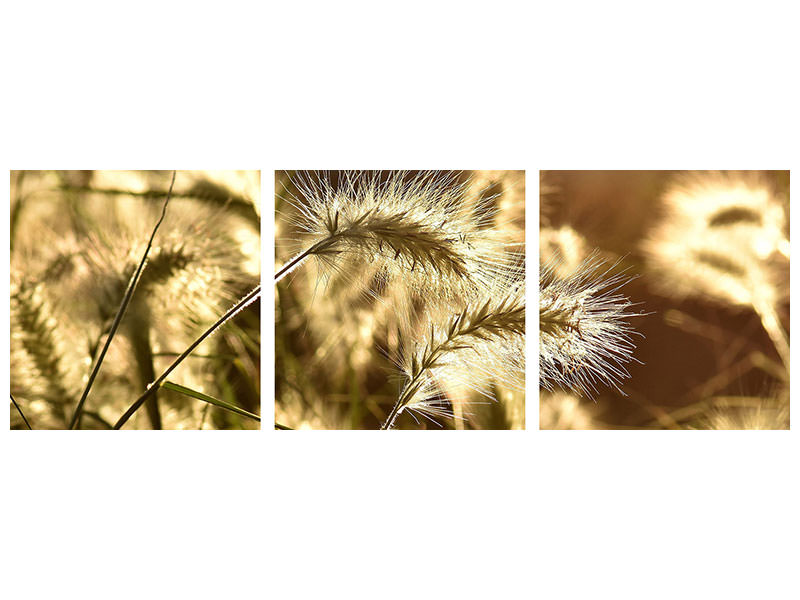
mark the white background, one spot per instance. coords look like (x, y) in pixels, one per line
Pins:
(467, 85)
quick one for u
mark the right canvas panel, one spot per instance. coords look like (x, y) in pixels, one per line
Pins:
(664, 300)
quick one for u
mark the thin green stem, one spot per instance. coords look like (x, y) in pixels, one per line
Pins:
(76, 417)
(155, 385)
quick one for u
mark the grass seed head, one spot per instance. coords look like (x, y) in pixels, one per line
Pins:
(424, 232)
(40, 356)
(482, 343)
(585, 337)
(720, 239)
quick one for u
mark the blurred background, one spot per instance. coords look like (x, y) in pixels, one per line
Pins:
(707, 360)
(76, 238)
(336, 347)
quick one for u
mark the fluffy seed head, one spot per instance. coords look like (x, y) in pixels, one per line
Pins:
(193, 271)
(482, 343)
(739, 205)
(585, 339)
(424, 230)
(717, 238)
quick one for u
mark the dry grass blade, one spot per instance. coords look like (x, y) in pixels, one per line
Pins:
(209, 400)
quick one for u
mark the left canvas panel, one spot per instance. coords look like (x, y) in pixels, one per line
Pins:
(135, 300)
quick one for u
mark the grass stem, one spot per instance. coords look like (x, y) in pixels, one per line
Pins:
(19, 410)
(297, 260)
(153, 387)
(76, 416)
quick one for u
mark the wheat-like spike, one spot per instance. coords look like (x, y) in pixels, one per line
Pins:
(194, 276)
(406, 224)
(34, 332)
(585, 338)
(469, 331)
(399, 237)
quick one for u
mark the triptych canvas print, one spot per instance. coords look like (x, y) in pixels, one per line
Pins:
(399, 300)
